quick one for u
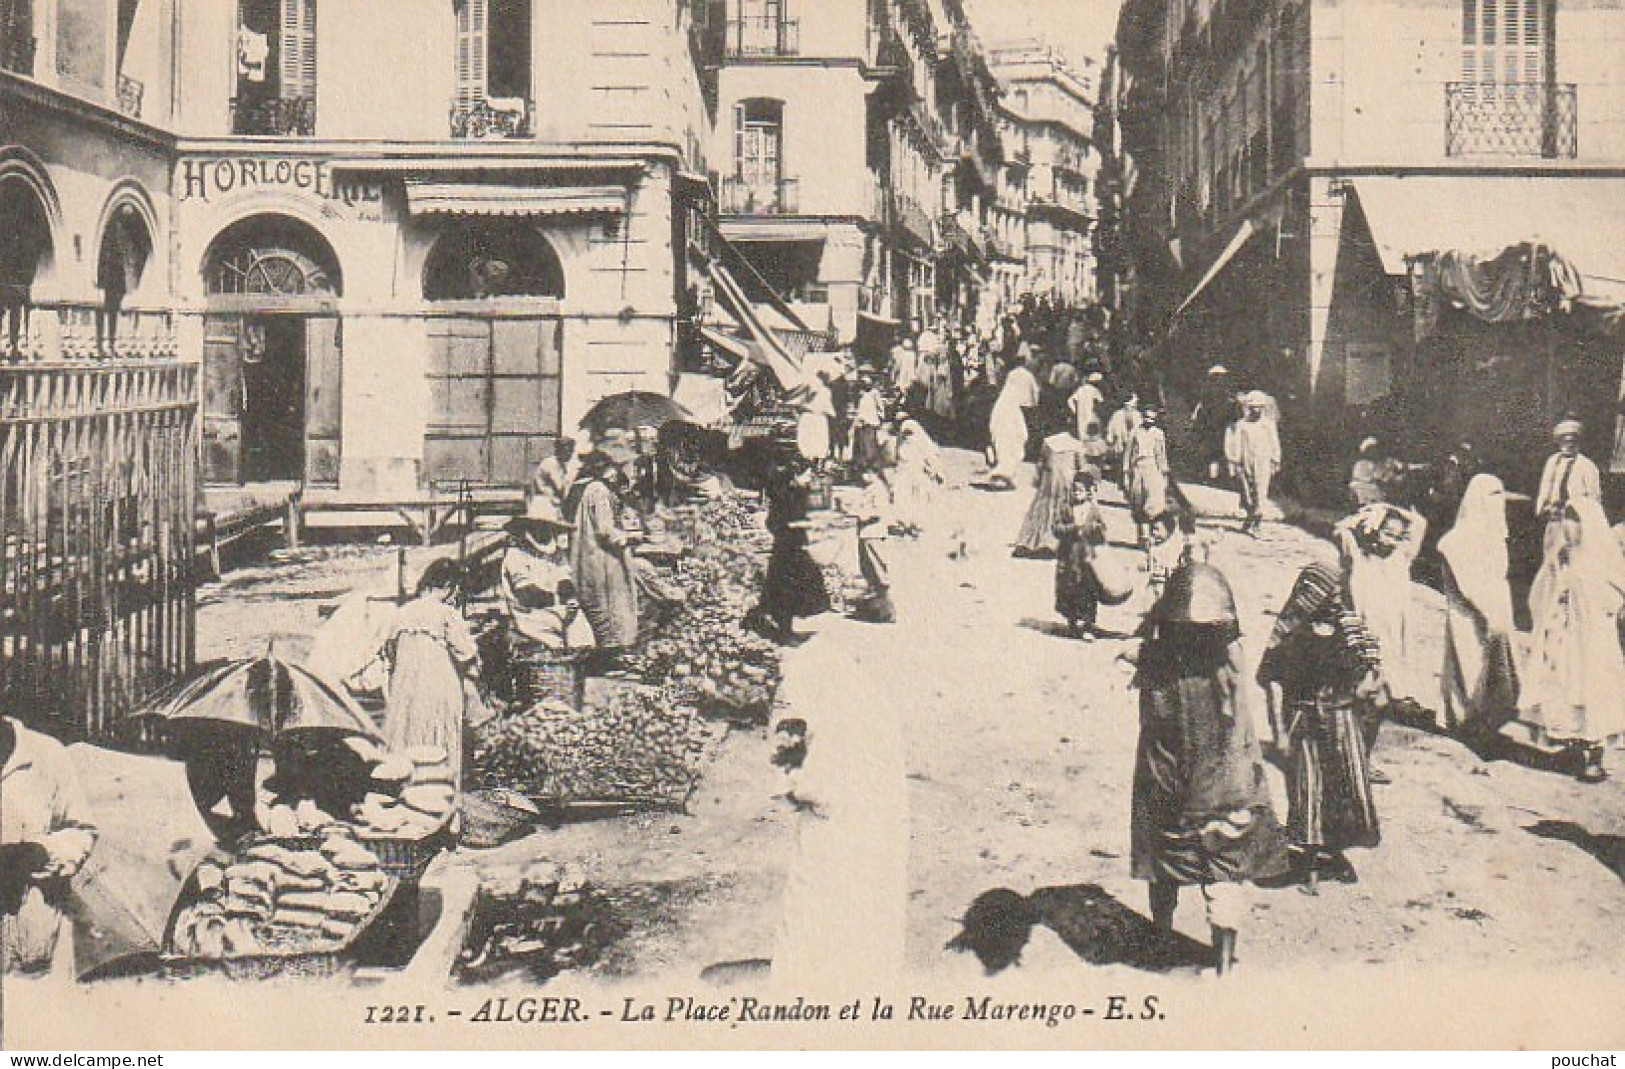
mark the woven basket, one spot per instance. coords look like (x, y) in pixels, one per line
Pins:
(491, 818)
(541, 675)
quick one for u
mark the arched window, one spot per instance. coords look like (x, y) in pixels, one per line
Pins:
(476, 260)
(126, 249)
(24, 249)
(272, 255)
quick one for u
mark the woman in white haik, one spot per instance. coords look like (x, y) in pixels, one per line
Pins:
(1575, 676)
(1478, 684)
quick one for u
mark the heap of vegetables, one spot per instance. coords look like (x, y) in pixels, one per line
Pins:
(705, 657)
(630, 745)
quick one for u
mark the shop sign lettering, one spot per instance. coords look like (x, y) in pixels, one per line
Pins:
(205, 178)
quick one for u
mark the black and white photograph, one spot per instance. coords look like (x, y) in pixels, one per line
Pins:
(892, 524)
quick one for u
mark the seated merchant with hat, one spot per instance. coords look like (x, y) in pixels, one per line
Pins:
(537, 589)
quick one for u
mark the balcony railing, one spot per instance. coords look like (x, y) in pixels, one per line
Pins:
(740, 196)
(482, 120)
(284, 117)
(73, 333)
(17, 52)
(750, 36)
(130, 93)
(1520, 119)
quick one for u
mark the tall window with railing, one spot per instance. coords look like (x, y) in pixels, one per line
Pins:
(276, 69)
(1509, 102)
(758, 185)
(494, 69)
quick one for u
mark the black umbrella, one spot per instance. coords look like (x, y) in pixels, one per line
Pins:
(631, 410)
(275, 696)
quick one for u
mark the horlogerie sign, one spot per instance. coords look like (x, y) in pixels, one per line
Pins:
(207, 178)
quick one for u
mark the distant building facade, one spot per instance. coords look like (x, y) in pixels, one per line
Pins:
(1046, 215)
(1284, 173)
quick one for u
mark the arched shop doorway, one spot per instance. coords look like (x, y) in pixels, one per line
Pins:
(492, 288)
(25, 249)
(271, 354)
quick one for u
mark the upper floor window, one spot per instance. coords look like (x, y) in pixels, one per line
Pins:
(761, 28)
(1504, 41)
(758, 184)
(1509, 102)
(494, 68)
(276, 68)
(17, 43)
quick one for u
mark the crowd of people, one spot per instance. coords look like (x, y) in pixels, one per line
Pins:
(1342, 657)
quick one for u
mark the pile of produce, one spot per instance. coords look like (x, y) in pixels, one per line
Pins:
(276, 900)
(704, 656)
(632, 745)
(533, 929)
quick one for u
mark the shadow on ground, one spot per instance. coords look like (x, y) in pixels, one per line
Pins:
(1608, 849)
(1095, 926)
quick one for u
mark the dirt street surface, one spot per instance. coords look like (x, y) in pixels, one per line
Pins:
(1006, 753)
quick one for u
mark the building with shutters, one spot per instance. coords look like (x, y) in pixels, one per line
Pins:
(855, 153)
(1296, 169)
(1044, 217)
(408, 244)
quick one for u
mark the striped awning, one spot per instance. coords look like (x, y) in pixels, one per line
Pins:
(459, 198)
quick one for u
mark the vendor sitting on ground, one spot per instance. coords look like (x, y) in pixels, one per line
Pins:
(222, 768)
(537, 590)
(45, 837)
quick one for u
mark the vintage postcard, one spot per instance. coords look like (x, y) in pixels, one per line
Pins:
(812, 523)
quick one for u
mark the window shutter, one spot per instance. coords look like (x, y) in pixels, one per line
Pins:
(739, 141)
(472, 31)
(297, 65)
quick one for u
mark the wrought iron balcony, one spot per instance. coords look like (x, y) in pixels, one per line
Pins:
(739, 196)
(1531, 119)
(17, 52)
(284, 117)
(130, 93)
(482, 120)
(751, 36)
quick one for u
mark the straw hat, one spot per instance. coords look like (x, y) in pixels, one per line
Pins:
(1569, 428)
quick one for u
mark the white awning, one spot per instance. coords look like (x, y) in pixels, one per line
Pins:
(457, 198)
(738, 348)
(1581, 219)
(1243, 232)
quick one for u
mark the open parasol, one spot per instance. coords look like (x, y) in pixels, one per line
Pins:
(268, 693)
(631, 410)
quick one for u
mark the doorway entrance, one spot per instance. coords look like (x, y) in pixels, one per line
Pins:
(272, 364)
(273, 398)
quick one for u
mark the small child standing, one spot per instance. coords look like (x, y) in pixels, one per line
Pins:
(1168, 546)
(1080, 531)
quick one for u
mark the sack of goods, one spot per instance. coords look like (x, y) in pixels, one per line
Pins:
(277, 900)
(632, 747)
(1114, 579)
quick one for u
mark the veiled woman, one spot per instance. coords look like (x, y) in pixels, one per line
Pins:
(1478, 684)
(1007, 426)
(1574, 680)
(1322, 677)
(1201, 810)
(1058, 465)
